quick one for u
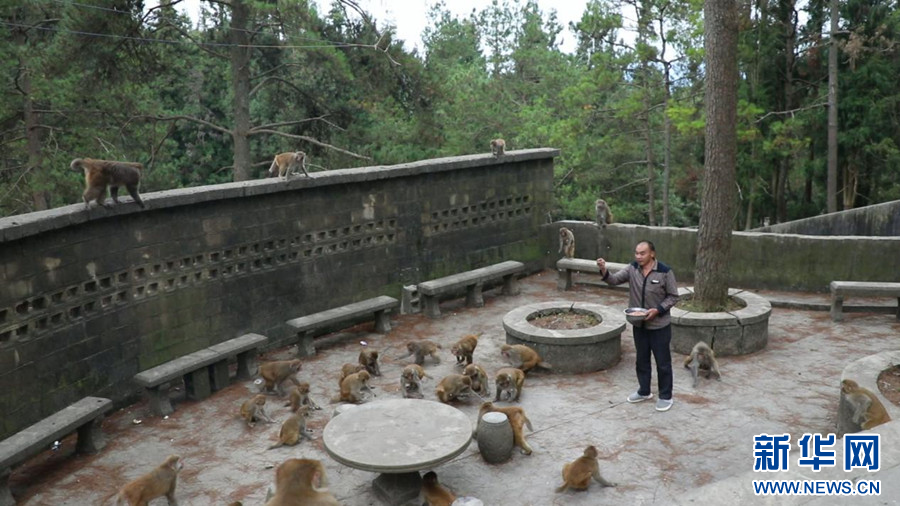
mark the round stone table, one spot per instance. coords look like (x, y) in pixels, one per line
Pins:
(397, 438)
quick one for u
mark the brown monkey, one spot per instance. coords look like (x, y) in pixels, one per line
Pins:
(479, 379)
(353, 386)
(254, 409)
(566, 242)
(510, 381)
(158, 482)
(464, 348)
(868, 411)
(347, 369)
(498, 146)
(517, 420)
(411, 381)
(277, 372)
(299, 396)
(577, 475)
(604, 215)
(453, 387)
(98, 174)
(522, 357)
(422, 348)
(287, 164)
(703, 358)
(435, 493)
(369, 360)
(301, 482)
(293, 429)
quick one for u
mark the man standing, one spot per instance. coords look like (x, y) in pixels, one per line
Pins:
(652, 287)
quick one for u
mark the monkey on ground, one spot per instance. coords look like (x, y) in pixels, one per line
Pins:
(422, 348)
(435, 493)
(702, 358)
(509, 380)
(347, 369)
(517, 420)
(158, 482)
(479, 379)
(277, 372)
(353, 386)
(369, 360)
(522, 357)
(301, 482)
(577, 475)
(411, 381)
(464, 348)
(498, 146)
(453, 387)
(299, 396)
(868, 411)
(293, 429)
(604, 215)
(287, 164)
(254, 409)
(98, 174)
(566, 242)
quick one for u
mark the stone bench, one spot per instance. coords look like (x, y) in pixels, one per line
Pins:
(566, 266)
(840, 289)
(204, 371)
(83, 416)
(307, 326)
(472, 281)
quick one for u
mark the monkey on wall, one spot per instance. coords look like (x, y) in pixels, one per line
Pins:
(301, 482)
(157, 483)
(498, 147)
(604, 215)
(702, 358)
(566, 242)
(100, 174)
(287, 164)
(868, 411)
(577, 475)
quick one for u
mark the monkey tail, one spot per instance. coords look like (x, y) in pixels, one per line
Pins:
(544, 365)
(276, 445)
(527, 422)
(562, 488)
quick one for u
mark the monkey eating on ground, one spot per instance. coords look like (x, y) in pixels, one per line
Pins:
(522, 357)
(347, 369)
(604, 215)
(479, 379)
(510, 381)
(158, 482)
(277, 372)
(868, 411)
(435, 493)
(369, 360)
(293, 429)
(422, 348)
(411, 381)
(301, 482)
(577, 475)
(702, 358)
(453, 387)
(254, 409)
(498, 147)
(464, 348)
(299, 396)
(353, 386)
(566, 242)
(517, 420)
(287, 164)
(98, 174)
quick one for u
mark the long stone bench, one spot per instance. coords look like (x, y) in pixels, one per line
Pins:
(307, 326)
(84, 416)
(473, 282)
(204, 371)
(566, 266)
(840, 289)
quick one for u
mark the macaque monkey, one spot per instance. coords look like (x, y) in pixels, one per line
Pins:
(301, 482)
(287, 164)
(347, 369)
(453, 387)
(422, 348)
(158, 482)
(293, 429)
(277, 372)
(868, 411)
(435, 493)
(498, 146)
(479, 379)
(517, 420)
(577, 475)
(353, 386)
(299, 396)
(411, 381)
(604, 215)
(369, 360)
(254, 409)
(98, 174)
(566, 242)
(510, 381)
(522, 357)
(702, 358)
(464, 348)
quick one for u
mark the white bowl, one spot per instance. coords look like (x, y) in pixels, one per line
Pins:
(635, 315)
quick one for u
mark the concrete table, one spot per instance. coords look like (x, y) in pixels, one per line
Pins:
(397, 438)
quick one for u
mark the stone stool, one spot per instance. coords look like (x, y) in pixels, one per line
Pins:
(495, 437)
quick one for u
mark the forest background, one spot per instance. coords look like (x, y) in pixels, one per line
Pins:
(212, 101)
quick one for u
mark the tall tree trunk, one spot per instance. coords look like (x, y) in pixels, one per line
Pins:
(651, 170)
(832, 111)
(788, 20)
(240, 76)
(667, 123)
(716, 214)
(32, 142)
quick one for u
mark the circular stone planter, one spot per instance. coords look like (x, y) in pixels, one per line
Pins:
(865, 373)
(728, 333)
(569, 351)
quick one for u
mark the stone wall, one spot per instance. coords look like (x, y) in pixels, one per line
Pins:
(875, 220)
(92, 297)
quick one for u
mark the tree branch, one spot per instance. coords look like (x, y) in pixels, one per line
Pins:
(286, 123)
(187, 118)
(791, 111)
(309, 140)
